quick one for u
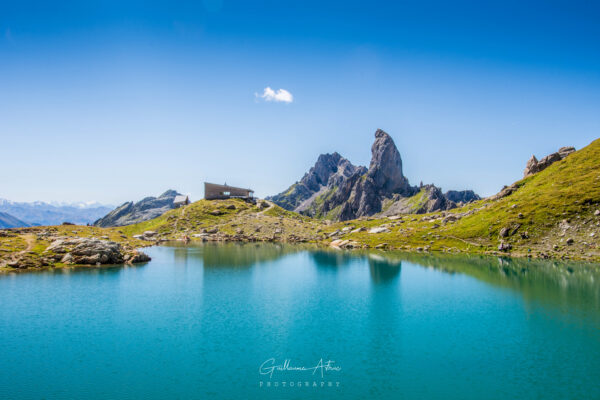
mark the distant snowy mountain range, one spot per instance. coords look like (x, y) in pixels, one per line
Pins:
(55, 213)
(80, 204)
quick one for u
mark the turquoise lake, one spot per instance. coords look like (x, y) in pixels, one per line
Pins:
(200, 321)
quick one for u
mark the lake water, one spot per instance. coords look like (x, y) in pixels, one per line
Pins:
(200, 322)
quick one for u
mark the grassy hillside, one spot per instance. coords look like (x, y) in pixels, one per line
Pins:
(548, 214)
(228, 219)
(219, 220)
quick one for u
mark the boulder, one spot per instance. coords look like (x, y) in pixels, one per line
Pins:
(337, 242)
(565, 151)
(380, 229)
(94, 251)
(137, 257)
(344, 244)
(531, 167)
(91, 251)
(506, 191)
(504, 246)
(451, 218)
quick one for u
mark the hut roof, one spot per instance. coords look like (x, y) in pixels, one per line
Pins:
(226, 187)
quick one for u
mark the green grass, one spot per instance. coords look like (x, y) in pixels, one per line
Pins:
(418, 201)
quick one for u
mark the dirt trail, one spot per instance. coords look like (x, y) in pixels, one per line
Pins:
(30, 240)
(271, 205)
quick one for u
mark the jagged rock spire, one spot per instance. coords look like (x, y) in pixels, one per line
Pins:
(386, 166)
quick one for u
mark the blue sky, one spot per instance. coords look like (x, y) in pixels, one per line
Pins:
(113, 101)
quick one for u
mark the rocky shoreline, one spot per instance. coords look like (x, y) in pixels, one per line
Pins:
(44, 248)
(94, 252)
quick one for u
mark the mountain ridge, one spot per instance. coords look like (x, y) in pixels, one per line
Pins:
(130, 213)
(345, 191)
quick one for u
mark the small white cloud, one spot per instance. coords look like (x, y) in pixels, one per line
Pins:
(280, 95)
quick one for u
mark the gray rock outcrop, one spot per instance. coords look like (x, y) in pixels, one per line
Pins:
(534, 166)
(92, 251)
(145, 209)
(385, 170)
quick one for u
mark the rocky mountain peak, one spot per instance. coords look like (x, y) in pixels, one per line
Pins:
(336, 189)
(169, 193)
(386, 166)
(330, 170)
(326, 165)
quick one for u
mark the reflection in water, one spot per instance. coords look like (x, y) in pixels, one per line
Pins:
(327, 258)
(565, 285)
(180, 254)
(383, 270)
(557, 283)
(235, 255)
(104, 270)
(568, 284)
